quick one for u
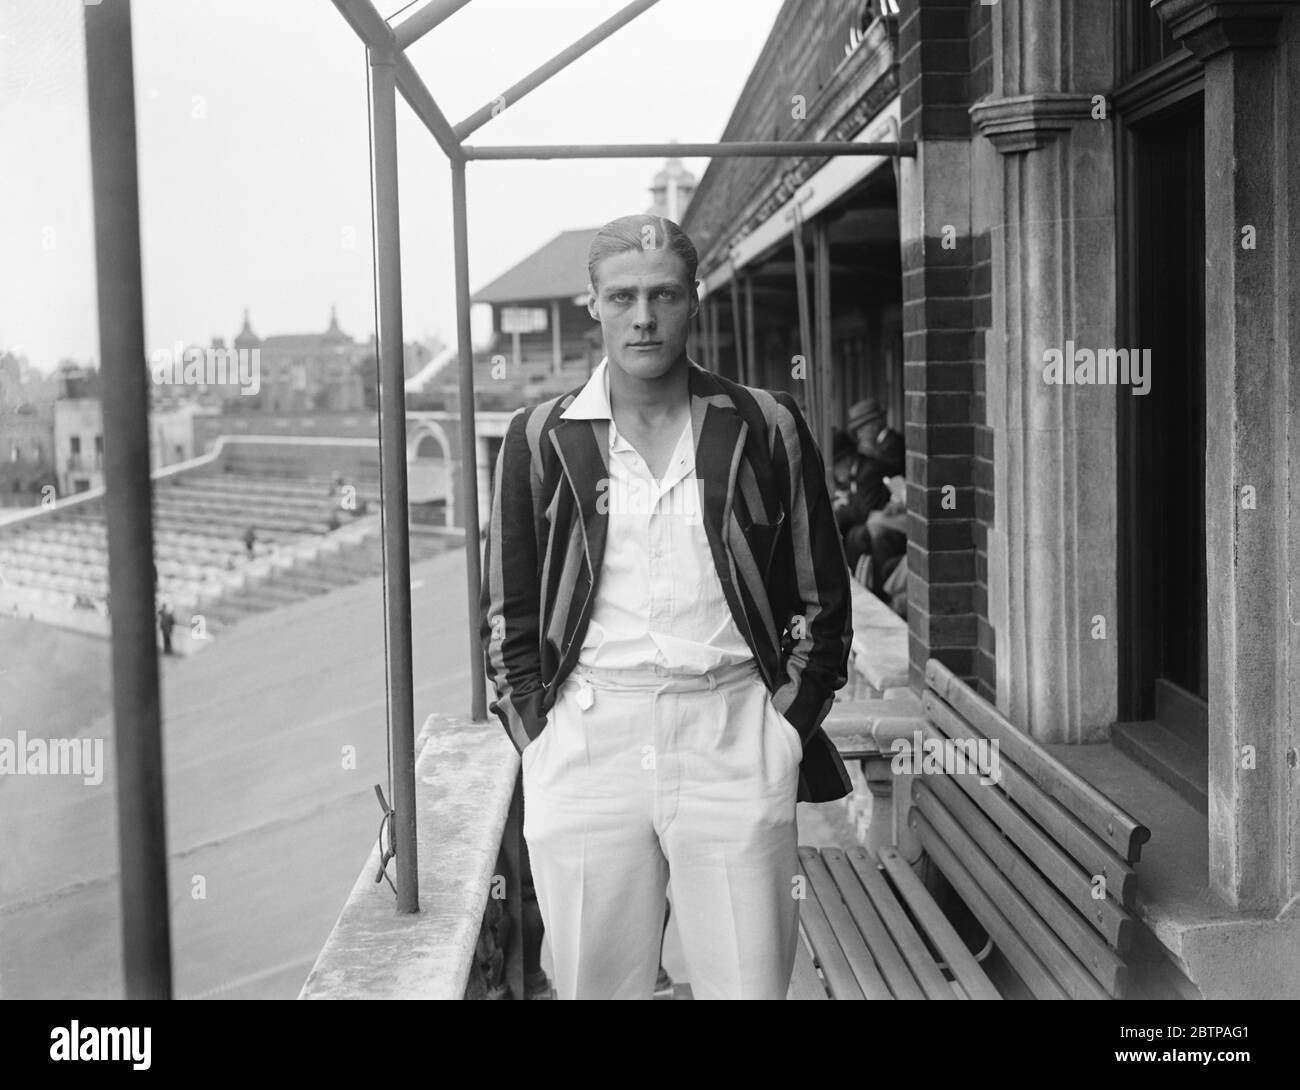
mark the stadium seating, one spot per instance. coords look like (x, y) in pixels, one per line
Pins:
(307, 539)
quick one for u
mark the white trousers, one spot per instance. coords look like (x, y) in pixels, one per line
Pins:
(642, 778)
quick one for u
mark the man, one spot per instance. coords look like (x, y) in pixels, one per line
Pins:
(166, 622)
(880, 454)
(666, 619)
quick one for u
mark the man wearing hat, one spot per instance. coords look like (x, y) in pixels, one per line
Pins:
(879, 454)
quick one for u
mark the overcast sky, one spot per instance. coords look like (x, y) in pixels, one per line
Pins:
(253, 148)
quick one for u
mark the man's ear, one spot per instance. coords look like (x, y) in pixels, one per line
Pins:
(591, 302)
(695, 299)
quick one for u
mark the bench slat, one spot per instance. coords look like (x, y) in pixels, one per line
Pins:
(1054, 954)
(1111, 824)
(892, 966)
(1004, 935)
(909, 942)
(857, 957)
(941, 799)
(1071, 834)
(1064, 875)
(839, 978)
(970, 975)
(804, 981)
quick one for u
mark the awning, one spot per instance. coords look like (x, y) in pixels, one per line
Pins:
(819, 192)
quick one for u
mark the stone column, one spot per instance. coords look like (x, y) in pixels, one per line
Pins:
(1052, 550)
(1252, 168)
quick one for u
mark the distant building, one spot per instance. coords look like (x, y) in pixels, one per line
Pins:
(78, 430)
(673, 188)
(171, 433)
(304, 372)
(539, 307)
(26, 432)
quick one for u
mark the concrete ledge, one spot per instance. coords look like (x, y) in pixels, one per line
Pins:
(880, 651)
(465, 775)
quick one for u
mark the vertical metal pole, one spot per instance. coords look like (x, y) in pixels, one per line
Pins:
(751, 355)
(825, 356)
(137, 709)
(805, 323)
(703, 334)
(736, 325)
(392, 470)
(715, 350)
(557, 346)
(468, 442)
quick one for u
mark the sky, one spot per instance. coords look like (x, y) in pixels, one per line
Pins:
(253, 155)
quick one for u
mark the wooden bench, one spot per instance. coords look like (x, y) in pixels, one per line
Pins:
(1041, 861)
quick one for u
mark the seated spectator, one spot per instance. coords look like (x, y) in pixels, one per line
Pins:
(895, 589)
(878, 454)
(843, 451)
(887, 533)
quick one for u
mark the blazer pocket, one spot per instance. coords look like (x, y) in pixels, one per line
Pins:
(762, 538)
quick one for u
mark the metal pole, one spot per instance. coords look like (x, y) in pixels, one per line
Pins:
(468, 443)
(137, 709)
(805, 324)
(751, 355)
(392, 469)
(822, 310)
(560, 61)
(421, 22)
(715, 349)
(773, 149)
(557, 344)
(739, 332)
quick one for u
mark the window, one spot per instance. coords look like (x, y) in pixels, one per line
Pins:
(523, 319)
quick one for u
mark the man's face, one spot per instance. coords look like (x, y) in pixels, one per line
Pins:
(866, 436)
(644, 303)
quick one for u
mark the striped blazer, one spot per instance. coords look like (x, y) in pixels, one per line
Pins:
(768, 518)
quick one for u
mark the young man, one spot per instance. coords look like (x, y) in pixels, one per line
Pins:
(666, 619)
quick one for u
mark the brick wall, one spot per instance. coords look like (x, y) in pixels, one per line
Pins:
(945, 62)
(981, 86)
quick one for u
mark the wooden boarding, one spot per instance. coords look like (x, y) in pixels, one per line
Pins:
(830, 959)
(1051, 951)
(1062, 825)
(1111, 824)
(852, 945)
(937, 928)
(1061, 877)
(1040, 858)
(871, 927)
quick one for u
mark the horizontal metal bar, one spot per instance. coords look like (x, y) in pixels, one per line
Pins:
(561, 60)
(421, 22)
(754, 149)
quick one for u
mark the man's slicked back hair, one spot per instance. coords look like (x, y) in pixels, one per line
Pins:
(642, 232)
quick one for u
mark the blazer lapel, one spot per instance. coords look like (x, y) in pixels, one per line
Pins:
(583, 447)
(720, 433)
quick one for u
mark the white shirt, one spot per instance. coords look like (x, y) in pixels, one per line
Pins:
(658, 601)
